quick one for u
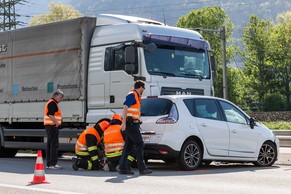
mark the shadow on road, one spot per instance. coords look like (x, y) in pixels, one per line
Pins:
(26, 165)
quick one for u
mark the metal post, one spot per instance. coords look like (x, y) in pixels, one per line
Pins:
(224, 68)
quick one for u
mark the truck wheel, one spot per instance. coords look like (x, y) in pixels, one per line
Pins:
(190, 156)
(267, 155)
(7, 153)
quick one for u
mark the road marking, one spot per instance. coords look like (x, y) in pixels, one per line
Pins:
(36, 189)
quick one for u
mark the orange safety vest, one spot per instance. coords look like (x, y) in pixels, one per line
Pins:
(81, 144)
(58, 115)
(134, 110)
(113, 140)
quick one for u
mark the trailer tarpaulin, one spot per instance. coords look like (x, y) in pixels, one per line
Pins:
(36, 61)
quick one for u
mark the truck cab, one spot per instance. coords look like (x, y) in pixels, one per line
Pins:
(178, 63)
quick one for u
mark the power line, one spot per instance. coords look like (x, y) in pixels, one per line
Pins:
(8, 15)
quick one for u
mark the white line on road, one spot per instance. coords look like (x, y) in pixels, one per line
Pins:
(36, 189)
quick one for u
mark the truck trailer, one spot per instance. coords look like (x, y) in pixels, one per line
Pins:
(94, 61)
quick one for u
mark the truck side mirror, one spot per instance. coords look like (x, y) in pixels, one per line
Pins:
(130, 55)
(129, 60)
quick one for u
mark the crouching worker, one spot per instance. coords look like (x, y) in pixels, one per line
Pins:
(114, 142)
(86, 147)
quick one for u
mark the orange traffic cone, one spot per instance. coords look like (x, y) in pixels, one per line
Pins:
(39, 170)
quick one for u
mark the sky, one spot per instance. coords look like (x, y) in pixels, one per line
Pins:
(34, 7)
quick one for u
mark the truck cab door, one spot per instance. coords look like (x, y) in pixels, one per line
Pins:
(98, 78)
(121, 82)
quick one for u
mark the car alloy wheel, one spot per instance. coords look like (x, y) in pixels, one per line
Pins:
(267, 155)
(190, 156)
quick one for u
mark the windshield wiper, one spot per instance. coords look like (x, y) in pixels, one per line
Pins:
(164, 74)
(200, 77)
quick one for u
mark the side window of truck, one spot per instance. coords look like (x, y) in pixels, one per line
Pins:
(114, 60)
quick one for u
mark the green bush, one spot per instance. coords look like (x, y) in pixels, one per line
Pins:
(274, 102)
(278, 125)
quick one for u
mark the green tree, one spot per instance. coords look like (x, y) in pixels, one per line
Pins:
(256, 40)
(274, 102)
(58, 12)
(211, 18)
(237, 89)
(280, 55)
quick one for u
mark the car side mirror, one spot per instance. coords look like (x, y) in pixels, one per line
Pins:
(252, 123)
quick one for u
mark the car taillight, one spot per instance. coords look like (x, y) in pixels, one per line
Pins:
(165, 120)
(171, 119)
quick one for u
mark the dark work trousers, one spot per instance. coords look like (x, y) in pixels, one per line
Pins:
(133, 139)
(52, 145)
(85, 163)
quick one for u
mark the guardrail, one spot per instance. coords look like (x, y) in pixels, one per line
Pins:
(284, 137)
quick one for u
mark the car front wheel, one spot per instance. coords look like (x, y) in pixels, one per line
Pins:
(267, 155)
(190, 156)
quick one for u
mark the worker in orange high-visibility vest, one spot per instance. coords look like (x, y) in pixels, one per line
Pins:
(52, 122)
(86, 147)
(114, 142)
(131, 124)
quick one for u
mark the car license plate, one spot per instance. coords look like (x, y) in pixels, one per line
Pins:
(146, 138)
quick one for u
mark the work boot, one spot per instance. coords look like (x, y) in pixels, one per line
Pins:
(75, 164)
(112, 167)
(145, 172)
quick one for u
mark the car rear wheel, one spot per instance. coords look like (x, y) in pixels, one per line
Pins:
(267, 155)
(190, 156)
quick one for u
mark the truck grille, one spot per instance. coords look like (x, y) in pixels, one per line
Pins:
(180, 91)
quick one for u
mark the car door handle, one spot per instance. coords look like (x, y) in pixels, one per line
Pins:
(203, 125)
(233, 130)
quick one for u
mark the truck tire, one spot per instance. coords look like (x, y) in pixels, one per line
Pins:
(7, 153)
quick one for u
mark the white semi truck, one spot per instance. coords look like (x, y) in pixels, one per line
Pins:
(95, 62)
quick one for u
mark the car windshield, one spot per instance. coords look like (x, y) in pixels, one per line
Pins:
(155, 106)
(175, 61)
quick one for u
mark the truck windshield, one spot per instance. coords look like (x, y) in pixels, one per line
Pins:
(178, 61)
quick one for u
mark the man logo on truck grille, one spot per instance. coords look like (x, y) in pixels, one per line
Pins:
(3, 47)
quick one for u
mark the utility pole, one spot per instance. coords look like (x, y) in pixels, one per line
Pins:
(8, 15)
(224, 68)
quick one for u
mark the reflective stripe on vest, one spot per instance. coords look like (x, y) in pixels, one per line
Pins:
(58, 115)
(134, 110)
(113, 140)
(112, 147)
(113, 154)
(81, 144)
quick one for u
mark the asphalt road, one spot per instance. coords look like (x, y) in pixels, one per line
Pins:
(15, 173)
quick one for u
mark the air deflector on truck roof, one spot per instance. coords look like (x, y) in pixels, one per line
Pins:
(175, 41)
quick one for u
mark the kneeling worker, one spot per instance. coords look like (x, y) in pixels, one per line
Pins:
(86, 147)
(114, 142)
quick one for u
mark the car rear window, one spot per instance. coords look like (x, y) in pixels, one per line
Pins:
(155, 106)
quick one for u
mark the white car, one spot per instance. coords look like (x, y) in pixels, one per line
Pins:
(192, 129)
